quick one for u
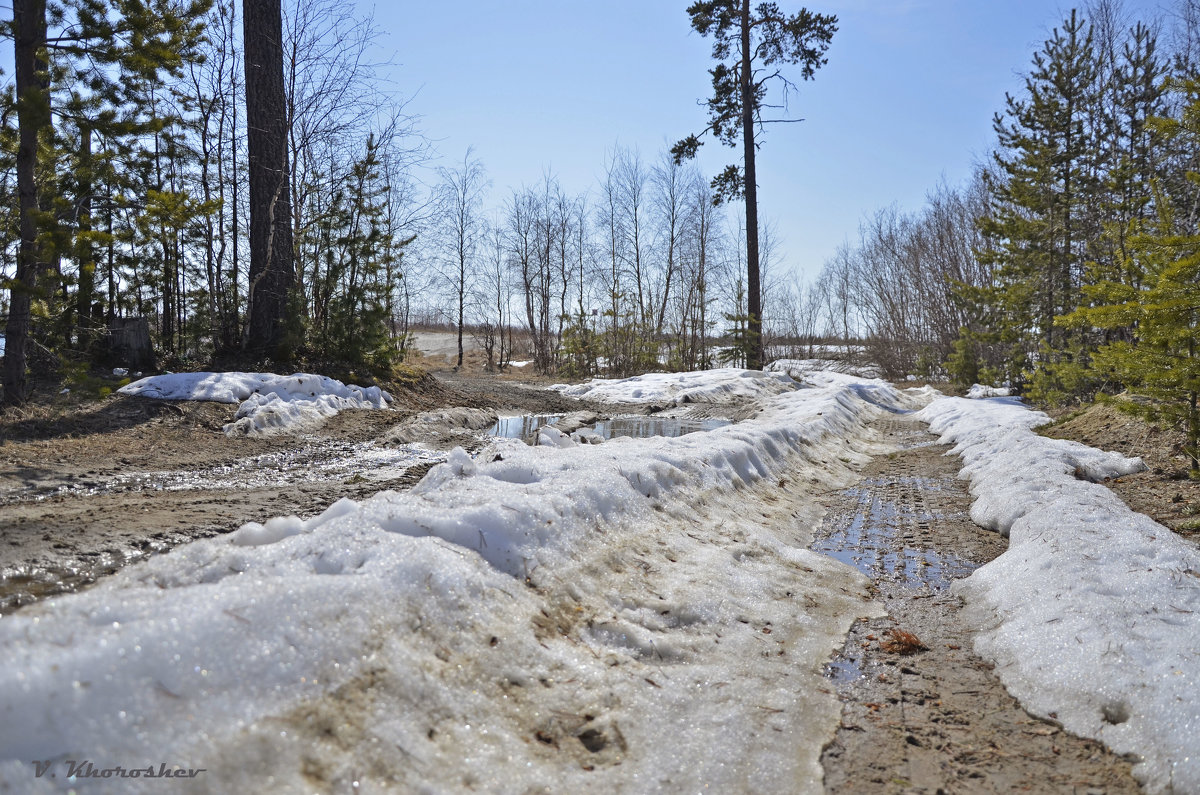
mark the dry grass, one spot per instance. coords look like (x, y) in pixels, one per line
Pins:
(902, 642)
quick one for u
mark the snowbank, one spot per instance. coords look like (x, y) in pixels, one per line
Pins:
(270, 403)
(605, 618)
(983, 391)
(801, 369)
(1092, 616)
(673, 389)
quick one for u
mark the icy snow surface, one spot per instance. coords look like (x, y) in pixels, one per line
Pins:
(270, 403)
(1093, 613)
(673, 389)
(633, 616)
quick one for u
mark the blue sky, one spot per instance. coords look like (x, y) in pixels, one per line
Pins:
(906, 99)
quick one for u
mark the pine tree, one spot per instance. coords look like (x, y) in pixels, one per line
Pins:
(749, 45)
(90, 73)
(1161, 307)
(1038, 230)
(272, 262)
(349, 314)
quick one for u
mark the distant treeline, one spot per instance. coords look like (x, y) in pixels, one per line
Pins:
(1070, 265)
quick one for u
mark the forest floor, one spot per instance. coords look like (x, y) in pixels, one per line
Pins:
(89, 486)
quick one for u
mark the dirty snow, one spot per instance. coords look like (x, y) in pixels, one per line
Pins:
(1092, 616)
(533, 617)
(674, 389)
(270, 403)
(607, 617)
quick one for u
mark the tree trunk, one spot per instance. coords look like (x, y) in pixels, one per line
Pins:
(85, 255)
(33, 113)
(272, 268)
(129, 343)
(754, 352)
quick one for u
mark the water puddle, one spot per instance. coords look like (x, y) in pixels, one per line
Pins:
(27, 584)
(521, 427)
(636, 426)
(645, 427)
(889, 534)
(843, 669)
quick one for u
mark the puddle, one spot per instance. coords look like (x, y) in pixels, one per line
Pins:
(644, 427)
(521, 427)
(28, 584)
(889, 536)
(636, 426)
(843, 669)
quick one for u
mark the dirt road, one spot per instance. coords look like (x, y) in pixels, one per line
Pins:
(922, 713)
(87, 492)
(82, 497)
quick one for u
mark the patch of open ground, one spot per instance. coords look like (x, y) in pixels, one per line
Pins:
(1164, 492)
(921, 713)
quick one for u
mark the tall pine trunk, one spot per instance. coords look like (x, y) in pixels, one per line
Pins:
(272, 267)
(85, 322)
(33, 114)
(754, 352)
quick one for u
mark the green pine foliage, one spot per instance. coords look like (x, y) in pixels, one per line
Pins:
(1157, 309)
(1040, 223)
(354, 267)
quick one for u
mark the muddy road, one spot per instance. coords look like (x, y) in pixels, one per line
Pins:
(83, 494)
(922, 713)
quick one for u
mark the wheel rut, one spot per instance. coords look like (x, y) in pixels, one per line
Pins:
(921, 713)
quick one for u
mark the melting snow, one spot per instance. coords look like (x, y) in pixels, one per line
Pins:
(983, 391)
(525, 619)
(628, 616)
(710, 386)
(1093, 613)
(269, 403)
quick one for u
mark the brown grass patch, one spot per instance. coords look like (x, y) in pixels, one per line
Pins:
(902, 642)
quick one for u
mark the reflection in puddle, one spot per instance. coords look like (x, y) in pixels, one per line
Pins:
(843, 669)
(644, 427)
(636, 426)
(890, 538)
(522, 426)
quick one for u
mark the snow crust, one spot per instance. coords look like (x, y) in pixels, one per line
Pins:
(270, 403)
(1092, 616)
(674, 389)
(598, 617)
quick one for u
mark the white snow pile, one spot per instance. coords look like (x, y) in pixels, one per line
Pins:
(978, 391)
(1092, 616)
(583, 618)
(270, 403)
(801, 369)
(723, 385)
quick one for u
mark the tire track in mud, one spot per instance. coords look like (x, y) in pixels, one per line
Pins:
(932, 719)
